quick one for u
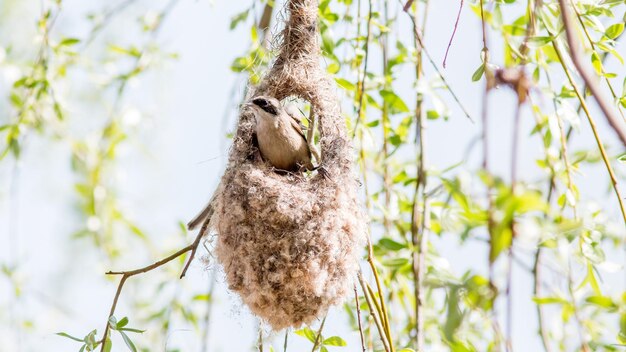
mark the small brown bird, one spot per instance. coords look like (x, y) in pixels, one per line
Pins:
(281, 140)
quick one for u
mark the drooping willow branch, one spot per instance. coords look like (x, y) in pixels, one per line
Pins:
(594, 129)
(419, 234)
(456, 25)
(588, 77)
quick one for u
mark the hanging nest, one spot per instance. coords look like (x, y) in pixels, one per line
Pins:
(289, 244)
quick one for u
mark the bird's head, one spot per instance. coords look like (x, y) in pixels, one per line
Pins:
(265, 107)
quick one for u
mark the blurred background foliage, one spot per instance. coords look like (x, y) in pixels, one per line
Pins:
(528, 205)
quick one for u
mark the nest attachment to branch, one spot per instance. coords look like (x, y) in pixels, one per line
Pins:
(290, 245)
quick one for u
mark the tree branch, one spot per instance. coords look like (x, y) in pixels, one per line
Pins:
(358, 316)
(127, 274)
(588, 77)
(456, 25)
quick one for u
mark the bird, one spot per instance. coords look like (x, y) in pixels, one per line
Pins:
(279, 136)
(281, 142)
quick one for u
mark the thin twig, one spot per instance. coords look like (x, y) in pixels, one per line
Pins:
(319, 336)
(373, 312)
(485, 166)
(361, 83)
(381, 296)
(456, 25)
(285, 343)
(127, 274)
(579, 325)
(594, 129)
(419, 231)
(589, 78)
(105, 20)
(563, 140)
(537, 293)
(434, 65)
(593, 47)
(509, 292)
(207, 318)
(260, 340)
(387, 182)
(407, 6)
(358, 316)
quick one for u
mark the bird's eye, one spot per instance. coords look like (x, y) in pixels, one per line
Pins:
(260, 102)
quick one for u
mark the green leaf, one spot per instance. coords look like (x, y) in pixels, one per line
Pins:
(538, 42)
(395, 262)
(122, 323)
(396, 104)
(203, 297)
(432, 114)
(69, 42)
(622, 329)
(334, 341)
(308, 333)
(238, 18)
(550, 300)
(129, 343)
(108, 345)
(69, 336)
(602, 301)
(596, 62)
(501, 240)
(454, 316)
(131, 51)
(391, 244)
(478, 73)
(345, 84)
(614, 31)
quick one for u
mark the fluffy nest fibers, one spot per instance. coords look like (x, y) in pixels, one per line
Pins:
(290, 245)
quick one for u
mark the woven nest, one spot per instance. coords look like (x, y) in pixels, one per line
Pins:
(289, 244)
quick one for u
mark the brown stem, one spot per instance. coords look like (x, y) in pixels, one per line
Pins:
(361, 83)
(434, 65)
(260, 340)
(485, 166)
(209, 309)
(589, 78)
(509, 294)
(537, 293)
(264, 23)
(358, 317)
(594, 129)
(419, 234)
(386, 127)
(373, 312)
(593, 47)
(319, 335)
(407, 6)
(456, 25)
(127, 274)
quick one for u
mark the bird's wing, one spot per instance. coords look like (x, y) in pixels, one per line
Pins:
(293, 112)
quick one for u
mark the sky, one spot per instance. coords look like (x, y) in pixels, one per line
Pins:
(189, 104)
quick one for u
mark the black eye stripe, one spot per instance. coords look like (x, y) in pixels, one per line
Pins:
(265, 105)
(260, 102)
